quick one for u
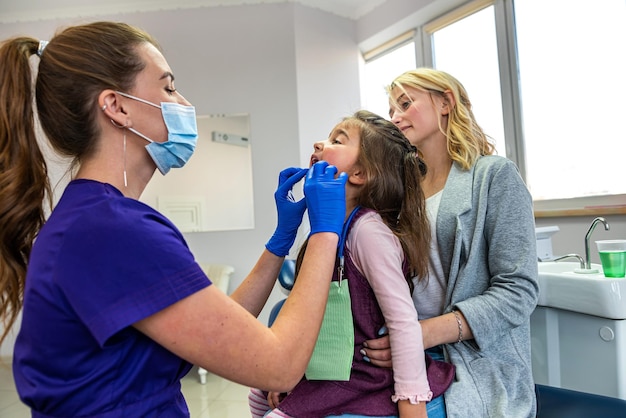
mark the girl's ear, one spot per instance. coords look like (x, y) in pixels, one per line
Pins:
(447, 103)
(357, 177)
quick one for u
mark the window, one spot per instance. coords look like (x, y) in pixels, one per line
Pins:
(573, 84)
(379, 72)
(477, 68)
(547, 82)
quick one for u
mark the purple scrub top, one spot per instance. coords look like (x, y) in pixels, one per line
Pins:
(101, 263)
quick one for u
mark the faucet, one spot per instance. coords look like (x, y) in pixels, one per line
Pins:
(580, 259)
(588, 235)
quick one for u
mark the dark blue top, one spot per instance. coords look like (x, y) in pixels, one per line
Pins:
(101, 263)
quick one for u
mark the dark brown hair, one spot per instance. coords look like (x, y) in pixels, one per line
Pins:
(77, 64)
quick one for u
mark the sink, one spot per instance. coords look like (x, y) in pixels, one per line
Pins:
(561, 286)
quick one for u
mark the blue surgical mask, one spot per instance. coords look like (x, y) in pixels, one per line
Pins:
(182, 135)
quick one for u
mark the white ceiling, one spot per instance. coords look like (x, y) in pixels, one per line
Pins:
(33, 10)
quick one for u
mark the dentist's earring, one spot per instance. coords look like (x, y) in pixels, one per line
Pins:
(124, 145)
(104, 108)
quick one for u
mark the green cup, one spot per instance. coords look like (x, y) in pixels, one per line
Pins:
(613, 257)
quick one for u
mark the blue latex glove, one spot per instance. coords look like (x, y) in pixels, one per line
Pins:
(289, 211)
(325, 198)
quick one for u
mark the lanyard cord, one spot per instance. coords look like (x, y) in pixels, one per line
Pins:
(342, 241)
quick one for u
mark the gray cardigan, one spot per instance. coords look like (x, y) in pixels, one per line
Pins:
(486, 235)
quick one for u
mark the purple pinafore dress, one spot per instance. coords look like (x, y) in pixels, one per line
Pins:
(370, 388)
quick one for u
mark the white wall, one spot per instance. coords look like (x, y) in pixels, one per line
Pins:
(327, 66)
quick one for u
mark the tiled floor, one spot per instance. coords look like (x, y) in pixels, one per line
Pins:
(218, 398)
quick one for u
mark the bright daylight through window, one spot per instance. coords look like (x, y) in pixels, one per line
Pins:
(572, 86)
(456, 52)
(380, 72)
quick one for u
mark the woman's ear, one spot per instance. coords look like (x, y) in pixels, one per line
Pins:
(111, 107)
(447, 103)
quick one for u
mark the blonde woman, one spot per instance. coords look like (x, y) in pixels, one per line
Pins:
(482, 287)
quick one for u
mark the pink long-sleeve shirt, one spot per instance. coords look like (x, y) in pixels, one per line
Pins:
(378, 255)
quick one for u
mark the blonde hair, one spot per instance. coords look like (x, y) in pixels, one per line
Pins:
(466, 140)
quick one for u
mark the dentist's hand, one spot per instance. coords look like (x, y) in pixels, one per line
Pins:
(289, 211)
(325, 198)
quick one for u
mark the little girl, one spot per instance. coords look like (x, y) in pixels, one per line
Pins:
(385, 243)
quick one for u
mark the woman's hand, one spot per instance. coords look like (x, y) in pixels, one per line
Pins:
(325, 194)
(378, 351)
(290, 212)
(443, 329)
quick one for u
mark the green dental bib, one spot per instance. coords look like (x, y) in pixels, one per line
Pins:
(334, 349)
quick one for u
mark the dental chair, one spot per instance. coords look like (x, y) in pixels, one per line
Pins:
(286, 278)
(553, 402)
